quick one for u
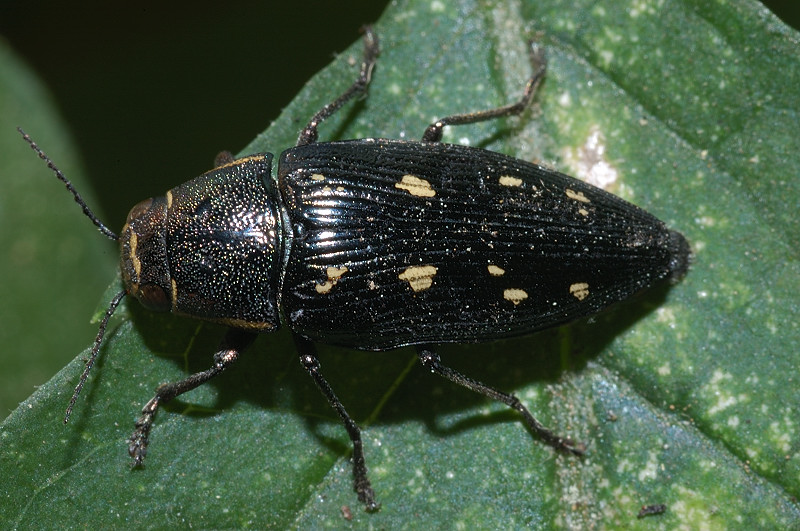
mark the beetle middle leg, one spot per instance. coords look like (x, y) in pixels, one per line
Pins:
(361, 483)
(538, 64)
(234, 342)
(431, 361)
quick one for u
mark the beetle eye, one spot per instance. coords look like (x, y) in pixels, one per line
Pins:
(154, 298)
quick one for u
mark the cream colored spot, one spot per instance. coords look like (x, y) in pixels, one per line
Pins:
(583, 212)
(415, 186)
(577, 196)
(507, 180)
(496, 271)
(169, 199)
(419, 277)
(325, 287)
(515, 295)
(317, 177)
(334, 274)
(579, 290)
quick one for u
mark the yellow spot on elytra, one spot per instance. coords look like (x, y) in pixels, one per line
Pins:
(577, 196)
(317, 177)
(334, 274)
(583, 212)
(324, 288)
(515, 295)
(507, 180)
(419, 277)
(415, 186)
(496, 271)
(169, 199)
(579, 290)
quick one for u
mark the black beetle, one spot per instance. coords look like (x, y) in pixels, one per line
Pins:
(376, 244)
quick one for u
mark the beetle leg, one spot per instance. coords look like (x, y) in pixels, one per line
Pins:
(361, 484)
(538, 64)
(309, 133)
(431, 361)
(233, 343)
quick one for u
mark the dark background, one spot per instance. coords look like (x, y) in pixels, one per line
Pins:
(152, 94)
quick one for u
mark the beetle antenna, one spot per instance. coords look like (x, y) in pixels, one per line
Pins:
(78, 199)
(95, 350)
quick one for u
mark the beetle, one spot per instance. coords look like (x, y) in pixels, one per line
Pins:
(376, 244)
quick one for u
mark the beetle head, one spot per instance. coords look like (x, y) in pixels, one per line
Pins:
(143, 255)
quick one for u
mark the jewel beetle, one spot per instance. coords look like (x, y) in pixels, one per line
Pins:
(376, 244)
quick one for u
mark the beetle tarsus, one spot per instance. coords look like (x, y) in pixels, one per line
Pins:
(137, 444)
(234, 342)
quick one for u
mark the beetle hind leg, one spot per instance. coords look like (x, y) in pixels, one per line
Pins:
(431, 361)
(234, 342)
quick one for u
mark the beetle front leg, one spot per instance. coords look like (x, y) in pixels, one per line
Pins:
(361, 483)
(234, 342)
(431, 361)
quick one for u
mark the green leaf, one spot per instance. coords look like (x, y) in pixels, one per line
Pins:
(685, 396)
(50, 257)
